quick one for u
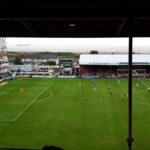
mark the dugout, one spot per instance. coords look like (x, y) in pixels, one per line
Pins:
(114, 65)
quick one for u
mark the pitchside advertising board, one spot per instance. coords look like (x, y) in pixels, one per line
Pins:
(93, 77)
(1, 80)
(36, 76)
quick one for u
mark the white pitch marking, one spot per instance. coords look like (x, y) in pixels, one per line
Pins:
(143, 83)
(31, 103)
(16, 83)
(44, 99)
(141, 103)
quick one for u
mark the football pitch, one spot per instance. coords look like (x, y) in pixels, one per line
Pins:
(74, 114)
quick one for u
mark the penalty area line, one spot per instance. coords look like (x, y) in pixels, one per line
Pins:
(31, 102)
(143, 83)
(44, 99)
(6, 120)
(148, 104)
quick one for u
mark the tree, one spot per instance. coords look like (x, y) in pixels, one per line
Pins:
(93, 52)
(52, 63)
(18, 61)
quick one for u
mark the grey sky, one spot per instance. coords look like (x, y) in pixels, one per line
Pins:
(77, 44)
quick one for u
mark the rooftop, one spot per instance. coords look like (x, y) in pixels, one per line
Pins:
(74, 18)
(115, 59)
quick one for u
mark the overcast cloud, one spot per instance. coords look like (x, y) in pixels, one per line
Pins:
(77, 44)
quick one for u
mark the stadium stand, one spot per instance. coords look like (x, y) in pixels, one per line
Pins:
(35, 70)
(113, 65)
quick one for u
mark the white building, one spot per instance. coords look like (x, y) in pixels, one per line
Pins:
(39, 58)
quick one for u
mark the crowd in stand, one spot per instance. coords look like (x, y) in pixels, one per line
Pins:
(112, 72)
(99, 73)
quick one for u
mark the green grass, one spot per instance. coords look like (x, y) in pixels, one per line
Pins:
(55, 112)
